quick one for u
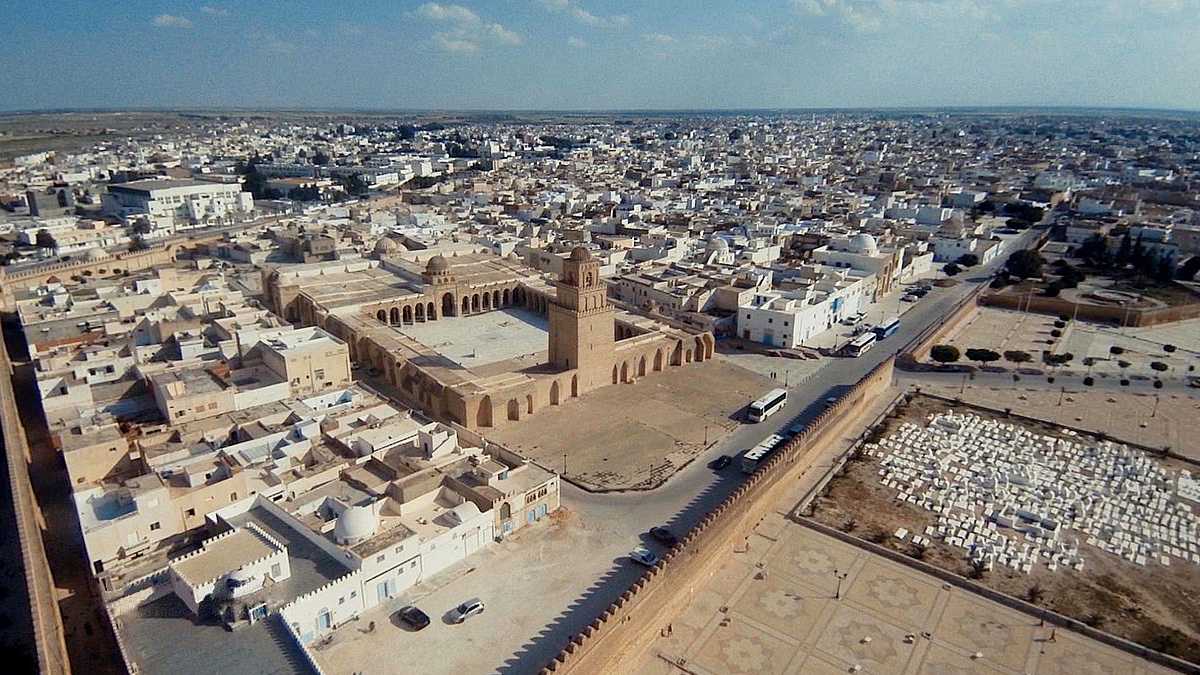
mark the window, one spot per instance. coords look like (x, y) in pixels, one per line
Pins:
(276, 571)
(233, 496)
(319, 373)
(190, 513)
(155, 526)
(342, 600)
(353, 594)
(381, 557)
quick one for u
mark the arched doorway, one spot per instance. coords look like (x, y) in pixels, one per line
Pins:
(430, 311)
(420, 312)
(382, 316)
(466, 305)
(615, 374)
(487, 300)
(554, 393)
(529, 403)
(484, 416)
(394, 316)
(447, 305)
(496, 299)
(505, 297)
(687, 356)
(642, 367)
(658, 360)
(514, 410)
(699, 348)
(677, 356)
(408, 314)
(505, 511)
(475, 303)
(625, 372)
(574, 386)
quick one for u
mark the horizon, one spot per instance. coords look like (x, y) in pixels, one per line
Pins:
(603, 55)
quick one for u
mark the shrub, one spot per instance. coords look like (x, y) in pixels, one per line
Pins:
(945, 353)
(1056, 333)
(1170, 349)
(1116, 351)
(1089, 381)
(1017, 356)
(1060, 324)
(1124, 382)
(1158, 384)
(1159, 366)
(982, 355)
(1123, 364)
(951, 269)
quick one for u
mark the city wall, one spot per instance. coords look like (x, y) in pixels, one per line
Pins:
(918, 348)
(1088, 312)
(47, 622)
(628, 626)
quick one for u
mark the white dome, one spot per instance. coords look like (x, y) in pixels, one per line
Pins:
(718, 244)
(863, 243)
(355, 524)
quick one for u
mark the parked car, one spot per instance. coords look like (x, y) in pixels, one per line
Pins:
(643, 556)
(910, 298)
(466, 610)
(413, 618)
(721, 462)
(664, 536)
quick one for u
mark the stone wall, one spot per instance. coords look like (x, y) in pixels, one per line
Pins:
(627, 626)
(1088, 312)
(47, 622)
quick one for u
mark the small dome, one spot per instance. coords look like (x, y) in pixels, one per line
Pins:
(863, 243)
(356, 524)
(95, 253)
(580, 254)
(437, 265)
(387, 246)
(718, 244)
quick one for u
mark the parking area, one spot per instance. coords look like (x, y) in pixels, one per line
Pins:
(530, 586)
(637, 435)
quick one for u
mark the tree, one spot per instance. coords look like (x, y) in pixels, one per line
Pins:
(1159, 366)
(1035, 594)
(1017, 356)
(1094, 250)
(951, 269)
(1025, 264)
(354, 185)
(968, 260)
(945, 353)
(982, 356)
(320, 158)
(44, 239)
(141, 227)
(138, 244)
(1116, 350)
(1125, 250)
(1058, 359)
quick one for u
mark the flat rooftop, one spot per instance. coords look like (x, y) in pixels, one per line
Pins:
(482, 339)
(223, 556)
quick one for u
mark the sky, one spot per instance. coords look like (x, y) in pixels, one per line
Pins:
(599, 54)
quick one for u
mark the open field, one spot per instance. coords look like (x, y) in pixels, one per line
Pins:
(1153, 605)
(637, 435)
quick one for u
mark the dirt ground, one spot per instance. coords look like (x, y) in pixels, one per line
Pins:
(1154, 605)
(637, 435)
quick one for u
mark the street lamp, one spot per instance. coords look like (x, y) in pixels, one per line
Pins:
(837, 595)
(1154, 411)
(564, 463)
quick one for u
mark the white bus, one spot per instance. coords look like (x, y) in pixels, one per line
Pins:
(767, 405)
(755, 456)
(861, 344)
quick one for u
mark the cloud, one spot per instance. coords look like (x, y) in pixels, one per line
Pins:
(213, 10)
(453, 13)
(171, 21)
(468, 32)
(455, 43)
(659, 38)
(582, 15)
(577, 43)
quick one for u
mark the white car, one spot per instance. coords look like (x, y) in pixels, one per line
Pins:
(466, 610)
(643, 556)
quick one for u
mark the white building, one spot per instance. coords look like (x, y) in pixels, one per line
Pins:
(789, 318)
(178, 204)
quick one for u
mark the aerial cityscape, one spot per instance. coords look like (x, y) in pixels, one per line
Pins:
(473, 376)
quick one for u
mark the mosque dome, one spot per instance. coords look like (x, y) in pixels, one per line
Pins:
(718, 244)
(387, 246)
(863, 243)
(356, 524)
(437, 265)
(580, 254)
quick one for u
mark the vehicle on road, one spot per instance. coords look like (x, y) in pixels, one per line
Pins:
(664, 536)
(910, 298)
(767, 405)
(466, 610)
(861, 344)
(721, 462)
(643, 556)
(756, 455)
(887, 328)
(413, 618)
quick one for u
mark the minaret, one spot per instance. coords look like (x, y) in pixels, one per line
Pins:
(581, 321)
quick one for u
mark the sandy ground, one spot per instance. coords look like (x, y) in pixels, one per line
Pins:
(1153, 605)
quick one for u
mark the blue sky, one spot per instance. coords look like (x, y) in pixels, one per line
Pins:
(600, 54)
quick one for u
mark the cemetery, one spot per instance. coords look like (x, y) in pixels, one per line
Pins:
(1090, 528)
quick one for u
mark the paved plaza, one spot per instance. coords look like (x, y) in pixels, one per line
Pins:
(637, 435)
(484, 338)
(1004, 330)
(776, 608)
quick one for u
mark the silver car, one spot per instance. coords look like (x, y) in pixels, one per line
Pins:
(466, 610)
